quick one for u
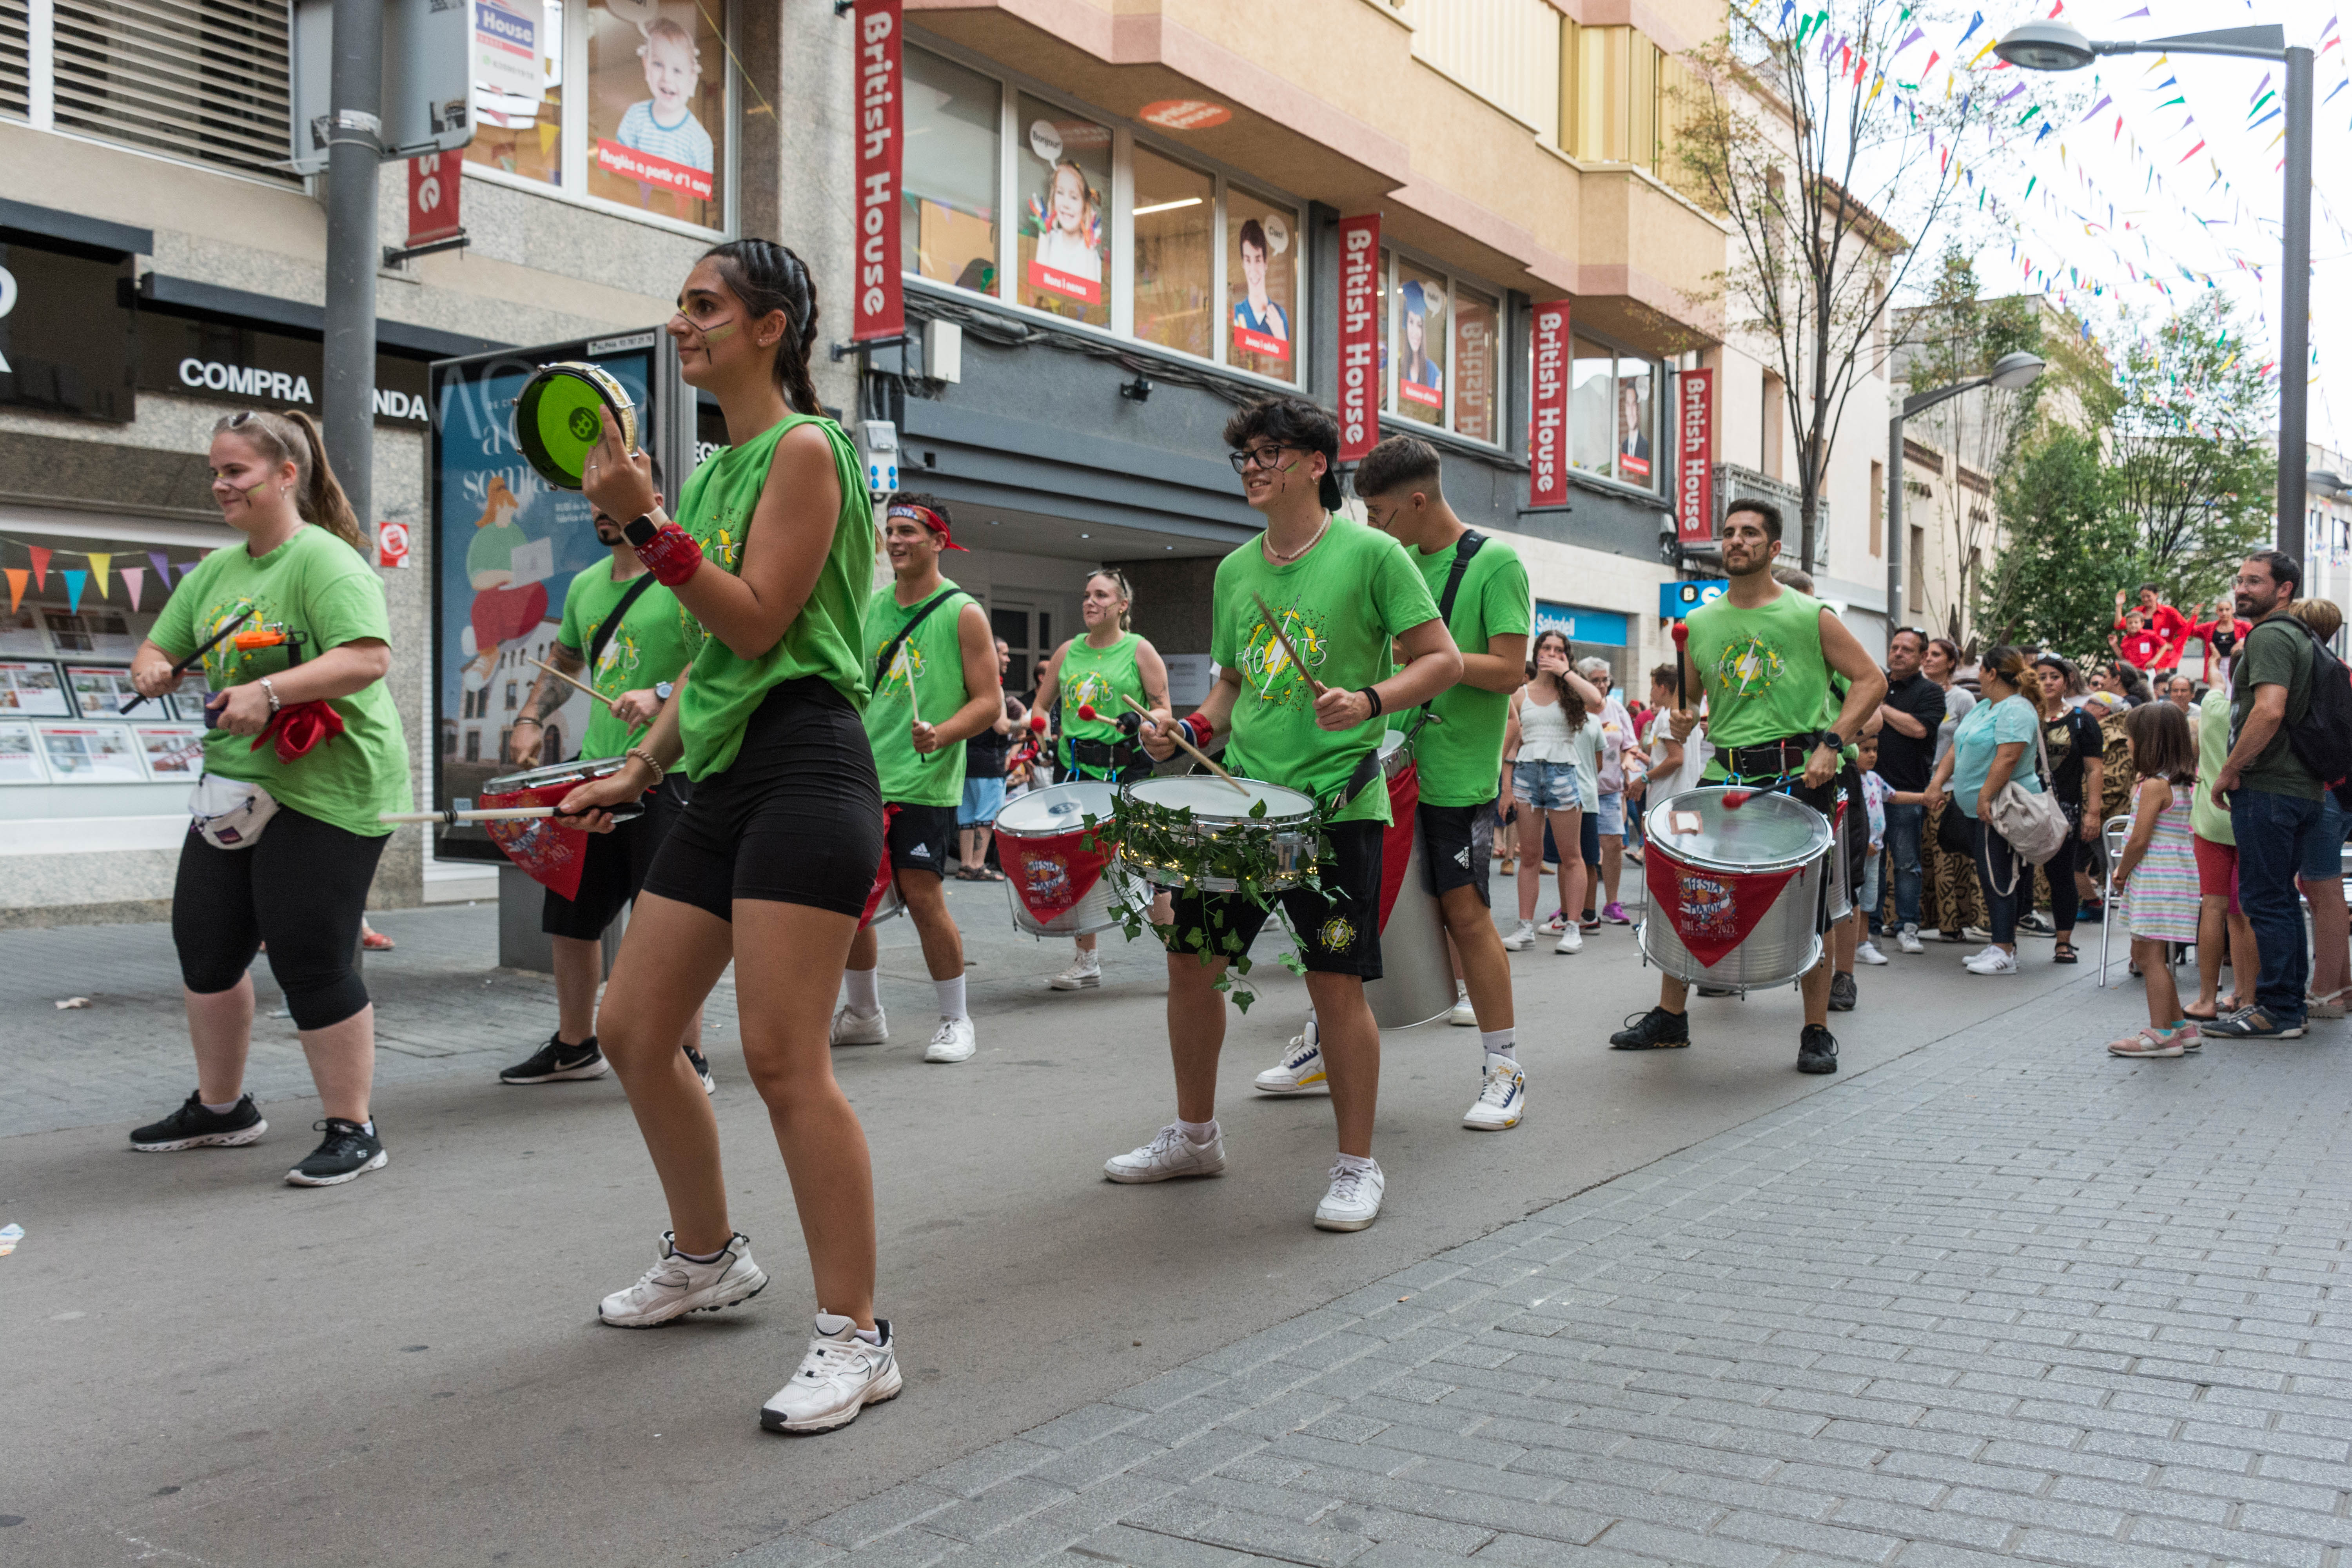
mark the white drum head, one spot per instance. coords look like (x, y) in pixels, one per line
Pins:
(1063, 808)
(1208, 796)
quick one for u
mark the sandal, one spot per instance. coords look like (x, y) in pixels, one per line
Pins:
(988, 874)
(2064, 953)
(2196, 1017)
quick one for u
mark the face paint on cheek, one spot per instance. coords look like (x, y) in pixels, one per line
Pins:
(712, 334)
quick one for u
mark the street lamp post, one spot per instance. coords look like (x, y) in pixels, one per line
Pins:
(2009, 373)
(2055, 47)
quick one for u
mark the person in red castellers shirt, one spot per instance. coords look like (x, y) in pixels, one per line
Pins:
(2171, 629)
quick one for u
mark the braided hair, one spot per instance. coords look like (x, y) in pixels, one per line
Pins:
(769, 277)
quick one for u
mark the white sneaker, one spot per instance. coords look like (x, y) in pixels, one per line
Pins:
(1971, 960)
(1571, 940)
(1992, 961)
(841, 1375)
(1084, 970)
(854, 1028)
(1523, 937)
(954, 1043)
(1502, 1099)
(1866, 951)
(1463, 1016)
(1169, 1156)
(1907, 938)
(1556, 923)
(1354, 1200)
(1976, 933)
(1300, 1070)
(675, 1286)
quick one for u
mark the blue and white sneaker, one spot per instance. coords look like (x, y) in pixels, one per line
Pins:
(1502, 1099)
(1300, 1070)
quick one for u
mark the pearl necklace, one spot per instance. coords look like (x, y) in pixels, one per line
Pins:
(1281, 559)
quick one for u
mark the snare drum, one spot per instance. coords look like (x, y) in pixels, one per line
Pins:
(549, 785)
(1208, 850)
(1736, 896)
(1059, 884)
(547, 850)
(556, 417)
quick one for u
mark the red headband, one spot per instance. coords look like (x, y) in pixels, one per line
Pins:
(929, 519)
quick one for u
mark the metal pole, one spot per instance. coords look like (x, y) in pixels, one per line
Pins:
(1894, 526)
(353, 252)
(2295, 306)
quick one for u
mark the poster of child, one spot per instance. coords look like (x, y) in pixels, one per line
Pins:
(1064, 240)
(663, 124)
(1073, 215)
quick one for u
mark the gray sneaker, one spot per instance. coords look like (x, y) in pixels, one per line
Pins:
(1843, 993)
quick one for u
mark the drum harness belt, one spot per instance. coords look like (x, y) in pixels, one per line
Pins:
(890, 649)
(1463, 548)
(1770, 763)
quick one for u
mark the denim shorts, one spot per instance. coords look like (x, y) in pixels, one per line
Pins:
(2323, 851)
(1546, 786)
(1613, 815)
(982, 799)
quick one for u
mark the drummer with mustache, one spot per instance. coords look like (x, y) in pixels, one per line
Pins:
(1343, 593)
(1762, 655)
(639, 641)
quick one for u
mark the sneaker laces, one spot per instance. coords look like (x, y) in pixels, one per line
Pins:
(832, 1360)
(1498, 1089)
(1347, 1185)
(1302, 1051)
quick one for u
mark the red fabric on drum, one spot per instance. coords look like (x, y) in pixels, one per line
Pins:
(1050, 875)
(545, 850)
(1712, 911)
(881, 888)
(1396, 839)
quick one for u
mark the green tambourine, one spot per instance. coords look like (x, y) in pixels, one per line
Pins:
(555, 418)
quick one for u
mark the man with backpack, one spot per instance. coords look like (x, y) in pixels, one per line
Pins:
(2291, 728)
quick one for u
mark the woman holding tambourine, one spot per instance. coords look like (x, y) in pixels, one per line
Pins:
(772, 553)
(304, 750)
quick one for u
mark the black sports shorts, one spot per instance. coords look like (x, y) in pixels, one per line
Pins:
(1455, 844)
(920, 836)
(1338, 925)
(615, 868)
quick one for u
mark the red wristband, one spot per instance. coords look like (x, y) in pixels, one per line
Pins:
(1200, 728)
(671, 554)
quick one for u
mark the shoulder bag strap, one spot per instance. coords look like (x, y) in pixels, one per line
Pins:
(890, 649)
(1463, 548)
(611, 623)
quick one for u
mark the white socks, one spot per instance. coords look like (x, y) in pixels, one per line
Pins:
(1199, 1131)
(1357, 1162)
(222, 1110)
(865, 989)
(951, 996)
(1499, 1043)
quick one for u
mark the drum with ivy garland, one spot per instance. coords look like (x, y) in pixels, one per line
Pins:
(1195, 831)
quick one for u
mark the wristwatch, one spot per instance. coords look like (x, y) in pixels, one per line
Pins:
(662, 689)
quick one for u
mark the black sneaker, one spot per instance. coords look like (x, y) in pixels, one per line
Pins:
(1817, 1049)
(1656, 1030)
(702, 1070)
(194, 1127)
(348, 1150)
(2034, 922)
(2254, 1024)
(555, 1061)
(1843, 993)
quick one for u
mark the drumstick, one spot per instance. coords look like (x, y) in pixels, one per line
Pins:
(452, 817)
(611, 702)
(897, 665)
(1274, 625)
(189, 663)
(1176, 733)
(1682, 673)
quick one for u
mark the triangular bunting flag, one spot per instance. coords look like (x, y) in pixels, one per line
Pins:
(16, 579)
(134, 578)
(100, 560)
(75, 582)
(162, 565)
(40, 567)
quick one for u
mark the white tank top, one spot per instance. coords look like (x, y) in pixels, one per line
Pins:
(1544, 736)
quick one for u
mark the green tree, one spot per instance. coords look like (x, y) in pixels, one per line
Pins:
(2068, 544)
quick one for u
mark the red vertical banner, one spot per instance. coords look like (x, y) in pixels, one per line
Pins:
(432, 182)
(881, 306)
(1548, 408)
(1695, 460)
(1360, 336)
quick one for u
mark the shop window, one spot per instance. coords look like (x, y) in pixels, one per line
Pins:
(1477, 354)
(1261, 279)
(953, 126)
(1591, 378)
(657, 109)
(1388, 287)
(519, 89)
(1063, 185)
(1175, 212)
(1635, 421)
(1422, 322)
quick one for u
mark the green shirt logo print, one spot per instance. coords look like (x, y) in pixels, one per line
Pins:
(1268, 661)
(1749, 669)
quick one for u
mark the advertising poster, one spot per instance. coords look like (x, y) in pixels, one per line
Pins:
(1065, 185)
(92, 753)
(1695, 476)
(171, 751)
(100, 691)
(1548, 408)
(32, 692)
(506, 546)
(20, 756)
(1422, 327)
(1360, 336)
(657, 107)
(1261, 271)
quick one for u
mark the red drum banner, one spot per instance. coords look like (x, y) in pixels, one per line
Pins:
(1695, 460)
(1050, 875)
(1396, 842)
(1360, 370)
(547, 853)
(880, 306)
(883, 879)
(1547, 409)
(1711, 910)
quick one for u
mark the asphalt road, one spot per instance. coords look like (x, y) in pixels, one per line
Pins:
(208, 1366)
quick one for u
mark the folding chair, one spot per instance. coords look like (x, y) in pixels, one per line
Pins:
(2112, 835)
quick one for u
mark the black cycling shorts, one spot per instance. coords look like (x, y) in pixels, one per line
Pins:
(302, 888)
(1338, 925)
(613, 871)
(797, 819)
(1455, 844)
(920, 836)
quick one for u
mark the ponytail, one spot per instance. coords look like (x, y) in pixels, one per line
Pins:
(768, 276)
(294, 438)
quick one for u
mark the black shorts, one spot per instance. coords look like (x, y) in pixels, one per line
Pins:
(1338, 925)
(1857, 829)
(1455, 844)
(614, 870)
(920, 836)
(796, 820)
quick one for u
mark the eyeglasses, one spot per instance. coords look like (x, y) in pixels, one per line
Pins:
(1256, 457)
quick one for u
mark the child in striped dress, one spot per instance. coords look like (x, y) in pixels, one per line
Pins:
(2156, 879)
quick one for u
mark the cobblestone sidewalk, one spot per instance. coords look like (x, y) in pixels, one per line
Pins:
(2005, 1299)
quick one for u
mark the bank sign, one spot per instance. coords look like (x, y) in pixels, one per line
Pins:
(256, 369)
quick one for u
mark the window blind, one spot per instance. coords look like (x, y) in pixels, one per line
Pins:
(200, 79)
(15, 62)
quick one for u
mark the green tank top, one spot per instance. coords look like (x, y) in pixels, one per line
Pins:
(925, 675)
(1095, 677)
(1762, 669)
(716, 508)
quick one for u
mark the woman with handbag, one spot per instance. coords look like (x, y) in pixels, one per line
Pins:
(2071, 744)
(1949, 900)
(1983, 761)
(305, 749)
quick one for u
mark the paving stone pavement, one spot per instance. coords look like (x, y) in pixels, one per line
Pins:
(2005, 1299)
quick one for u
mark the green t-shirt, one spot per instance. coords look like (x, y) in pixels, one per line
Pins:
(716, 508)
(2277, 653)
(316, 588)
(1095, 677)
(1461, 756)
(650, 646)
(926, 675)
(1342, 603)
(2210, 822)
(1762, 669)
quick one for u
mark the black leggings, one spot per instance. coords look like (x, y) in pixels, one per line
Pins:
(301, 889)
(2065, 900)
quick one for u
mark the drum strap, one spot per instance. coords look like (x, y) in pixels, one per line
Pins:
(611, 623)
(1463, 548)
(890, 649)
